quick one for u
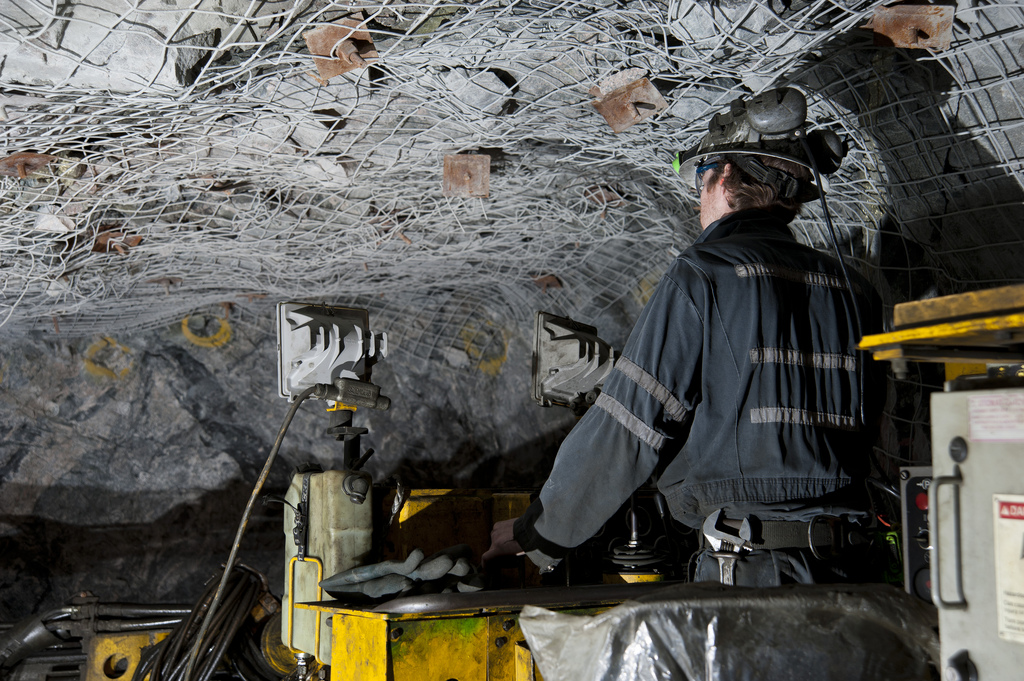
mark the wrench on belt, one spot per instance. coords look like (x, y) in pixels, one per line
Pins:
(729, 539)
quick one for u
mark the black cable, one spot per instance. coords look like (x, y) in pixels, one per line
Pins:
(173, 650)
(246, 656)
(163, 662)
(234, 617)
(241, 530)
(168, 661)
(842, 265)
(224, 623)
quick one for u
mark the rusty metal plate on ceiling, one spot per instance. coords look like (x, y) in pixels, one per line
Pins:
(25, 163)
(467, 175)
(346, 43)
(925, 27)
(630, 104)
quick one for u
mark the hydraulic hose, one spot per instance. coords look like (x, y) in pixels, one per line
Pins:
(25, 638)
(130, 610)
(34, 634)
(137, 625)
(168, 660)
(212, 611)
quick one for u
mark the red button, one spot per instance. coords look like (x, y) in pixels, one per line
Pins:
(921, 501)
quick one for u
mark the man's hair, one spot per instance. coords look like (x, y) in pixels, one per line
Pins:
(743, 192)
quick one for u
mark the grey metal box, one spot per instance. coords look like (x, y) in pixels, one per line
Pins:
(977, 531)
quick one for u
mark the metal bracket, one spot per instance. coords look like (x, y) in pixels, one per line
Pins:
(913, 26)
(466, 175)
(628, 105)
(300, 531)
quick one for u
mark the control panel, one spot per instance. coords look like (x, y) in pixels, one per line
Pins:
(917, 578)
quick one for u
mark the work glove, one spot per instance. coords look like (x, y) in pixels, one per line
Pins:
(447, 570)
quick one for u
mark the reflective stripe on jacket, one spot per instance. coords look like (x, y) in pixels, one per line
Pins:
(740, 383)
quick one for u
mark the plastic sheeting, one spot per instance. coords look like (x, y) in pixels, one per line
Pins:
(708, 632)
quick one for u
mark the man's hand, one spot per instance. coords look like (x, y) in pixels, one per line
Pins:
(502, 542)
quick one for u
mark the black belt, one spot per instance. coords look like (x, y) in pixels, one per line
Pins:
(823, 535)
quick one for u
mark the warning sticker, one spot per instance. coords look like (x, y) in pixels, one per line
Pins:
(1009, 545)
(996, 418)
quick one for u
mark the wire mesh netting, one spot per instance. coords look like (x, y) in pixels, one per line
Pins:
(189, 159)
(184, 154)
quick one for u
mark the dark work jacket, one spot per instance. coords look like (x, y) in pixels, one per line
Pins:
(740, 384)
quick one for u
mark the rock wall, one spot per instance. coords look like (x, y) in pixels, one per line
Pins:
(125, 463)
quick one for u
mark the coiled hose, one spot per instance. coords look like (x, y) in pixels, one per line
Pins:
(168, 660)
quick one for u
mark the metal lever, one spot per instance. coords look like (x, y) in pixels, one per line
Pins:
(933, 521)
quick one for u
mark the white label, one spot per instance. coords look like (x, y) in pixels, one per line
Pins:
(1009, 544)
(996, 418)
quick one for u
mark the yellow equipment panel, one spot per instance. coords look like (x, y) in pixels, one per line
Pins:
(116, 656)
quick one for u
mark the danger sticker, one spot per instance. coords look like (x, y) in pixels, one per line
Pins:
(996, 417)
(1011, 510)
(1009, 547)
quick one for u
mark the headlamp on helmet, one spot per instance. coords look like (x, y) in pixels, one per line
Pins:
(769, 124)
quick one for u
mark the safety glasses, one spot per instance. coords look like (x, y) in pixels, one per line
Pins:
(702, 168)
(705, 165)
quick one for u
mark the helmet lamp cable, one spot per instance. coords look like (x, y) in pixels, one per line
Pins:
(858, 330)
